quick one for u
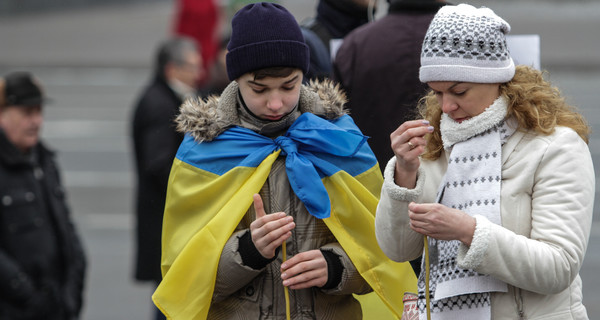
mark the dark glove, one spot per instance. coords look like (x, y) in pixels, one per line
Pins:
(335, 268)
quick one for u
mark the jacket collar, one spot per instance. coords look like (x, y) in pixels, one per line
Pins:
(11, 156)
(511, 144)
(206, 119)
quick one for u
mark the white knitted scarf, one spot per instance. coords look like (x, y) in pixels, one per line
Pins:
(471, 184)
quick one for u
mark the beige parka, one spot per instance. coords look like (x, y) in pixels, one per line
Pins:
(242, 292)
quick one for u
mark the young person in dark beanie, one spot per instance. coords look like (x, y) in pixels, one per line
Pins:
(271, 197)
(494, 186)
(42, 263)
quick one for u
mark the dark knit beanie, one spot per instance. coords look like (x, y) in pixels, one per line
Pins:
(265, 35)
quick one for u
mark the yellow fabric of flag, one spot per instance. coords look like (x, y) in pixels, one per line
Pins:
(192, 242)
(352, 222)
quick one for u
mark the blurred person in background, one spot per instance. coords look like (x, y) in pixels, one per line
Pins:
(333, 21)
(42, 262)
(178, 67)
(378, 67)
(199, 20)
(218, 80)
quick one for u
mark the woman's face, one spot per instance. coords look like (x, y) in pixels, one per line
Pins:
(464, 100)
(271, 98)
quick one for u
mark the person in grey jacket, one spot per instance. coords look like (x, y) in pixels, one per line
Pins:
(494, 186)
(42, 262)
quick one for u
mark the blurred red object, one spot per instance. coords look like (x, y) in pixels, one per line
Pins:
(199, 19)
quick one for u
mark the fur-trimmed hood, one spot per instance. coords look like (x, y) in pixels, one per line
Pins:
(206, 119)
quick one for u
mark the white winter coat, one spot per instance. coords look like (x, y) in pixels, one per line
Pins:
(547, 198)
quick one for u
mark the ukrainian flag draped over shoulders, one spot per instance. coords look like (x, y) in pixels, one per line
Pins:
(330, 168)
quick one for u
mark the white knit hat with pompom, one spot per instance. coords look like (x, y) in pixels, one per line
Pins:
(466, 44)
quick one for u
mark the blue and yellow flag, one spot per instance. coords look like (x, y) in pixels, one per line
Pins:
(331, 169)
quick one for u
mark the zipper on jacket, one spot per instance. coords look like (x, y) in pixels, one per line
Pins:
(519, 301)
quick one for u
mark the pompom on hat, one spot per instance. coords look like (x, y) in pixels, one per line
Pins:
(265, 35)
(466, 44)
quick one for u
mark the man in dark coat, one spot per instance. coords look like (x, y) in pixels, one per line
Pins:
(178, 65)
(378, 66)
(42, 263)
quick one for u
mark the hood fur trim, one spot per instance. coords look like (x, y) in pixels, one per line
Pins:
(206, 119)
(198, 117)
(325, 97)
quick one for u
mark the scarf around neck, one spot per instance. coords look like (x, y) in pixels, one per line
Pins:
(471, 184)
(313, 147)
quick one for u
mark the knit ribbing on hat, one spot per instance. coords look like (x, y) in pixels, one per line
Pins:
(466, 44)
(265, 35)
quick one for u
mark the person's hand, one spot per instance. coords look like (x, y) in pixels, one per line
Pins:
(305, 270)
(269, 231)
(440, 222)
(408, 143)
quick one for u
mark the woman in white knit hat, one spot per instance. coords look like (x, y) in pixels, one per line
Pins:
(494, 186)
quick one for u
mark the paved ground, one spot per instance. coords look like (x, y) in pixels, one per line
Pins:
(94, 63)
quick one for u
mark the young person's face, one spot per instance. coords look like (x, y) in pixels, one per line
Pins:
(464, 100)
(21, 124)
(271, 98)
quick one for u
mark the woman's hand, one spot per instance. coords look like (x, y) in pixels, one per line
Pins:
(305, 270)
(269, 231)
(440, 222)
(408, 143)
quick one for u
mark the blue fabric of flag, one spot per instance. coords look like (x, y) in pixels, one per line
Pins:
(314, 148)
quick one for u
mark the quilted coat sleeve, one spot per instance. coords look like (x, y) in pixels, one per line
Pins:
(232, 274)
(546, 217)
(392, 230)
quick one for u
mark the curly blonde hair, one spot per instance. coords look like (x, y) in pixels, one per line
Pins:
(532, 101)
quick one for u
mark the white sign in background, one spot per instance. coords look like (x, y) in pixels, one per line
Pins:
(525, 49)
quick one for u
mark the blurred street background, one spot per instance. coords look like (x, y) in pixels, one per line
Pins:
(95, 56)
